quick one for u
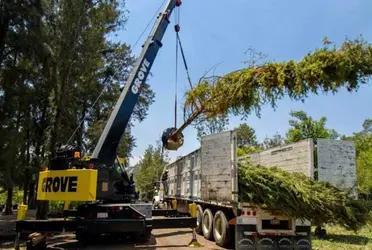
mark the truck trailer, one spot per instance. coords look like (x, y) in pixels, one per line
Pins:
(209, 177)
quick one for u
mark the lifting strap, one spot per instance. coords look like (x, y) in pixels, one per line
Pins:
(184, 60)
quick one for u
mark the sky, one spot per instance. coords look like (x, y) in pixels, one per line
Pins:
(217, 34)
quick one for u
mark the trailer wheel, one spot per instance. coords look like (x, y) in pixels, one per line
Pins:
(207, 224)
(199, 220)
(221, 232)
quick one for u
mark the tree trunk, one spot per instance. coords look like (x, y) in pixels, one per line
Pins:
(25, 193)
(31, 202)
(4, 26)
(8, 205)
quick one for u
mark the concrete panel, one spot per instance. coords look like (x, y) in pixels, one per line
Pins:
(184, 177)
(294, 157)
(217, 167)
(336, 163)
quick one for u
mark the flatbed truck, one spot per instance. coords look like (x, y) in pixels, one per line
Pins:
(209, 177)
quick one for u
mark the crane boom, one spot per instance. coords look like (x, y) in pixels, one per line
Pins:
(106, 148)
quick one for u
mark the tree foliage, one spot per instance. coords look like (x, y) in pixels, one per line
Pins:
(300, 197)
(325, 70)
(211, 125)
(363, 146)
(55, 60)
(246, 135)
(246, 140)
(274, 141)
(148, 171)
(304, 126)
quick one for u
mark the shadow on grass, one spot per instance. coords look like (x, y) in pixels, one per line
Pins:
(346, 239)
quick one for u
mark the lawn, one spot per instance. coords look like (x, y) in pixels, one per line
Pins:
(338, 238)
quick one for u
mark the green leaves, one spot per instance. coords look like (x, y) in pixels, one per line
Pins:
(56, 58)
(246, 90)
(148, 171)
(303, 127)
(363, 145)
(298, 196)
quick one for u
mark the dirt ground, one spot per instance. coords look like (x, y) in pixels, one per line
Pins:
(161, 239)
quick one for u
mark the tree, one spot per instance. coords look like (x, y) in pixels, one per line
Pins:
(246, 90)
(149, 171)
(21, 51)
(246, 135)
(212, 125)
(363, 146)
(246, 140)
(303, 127)
(55, 60)
(367, 126)
(271, 142)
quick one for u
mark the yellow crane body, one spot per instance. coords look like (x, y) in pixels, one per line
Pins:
(67, 185)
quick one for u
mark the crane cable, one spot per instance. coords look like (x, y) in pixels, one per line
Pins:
(177, 29)
(148, 24)
(184, 61)
(179, 48)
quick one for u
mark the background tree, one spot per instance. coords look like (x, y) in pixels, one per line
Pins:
(271, 142)
(21, 52)
(211, 126)
(246, 140)
(363, 146)
(55, 60)
(149, 170)
(246, 135)
(304, 126)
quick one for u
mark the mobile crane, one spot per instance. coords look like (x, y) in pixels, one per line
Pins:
(111, 200)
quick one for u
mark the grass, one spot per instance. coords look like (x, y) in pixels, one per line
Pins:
(338, 239)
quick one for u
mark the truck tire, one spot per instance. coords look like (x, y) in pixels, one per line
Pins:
(207, 224)
(221, 230)
(199, 220)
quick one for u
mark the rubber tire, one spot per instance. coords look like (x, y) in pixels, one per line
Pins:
(199, 220)
(221, 238)
(207, 224)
